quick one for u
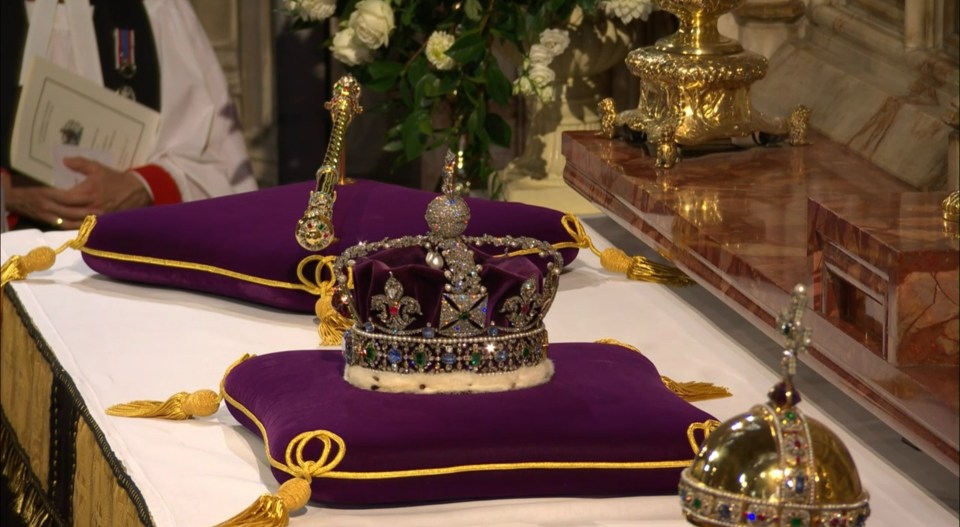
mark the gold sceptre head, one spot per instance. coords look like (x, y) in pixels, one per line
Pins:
(315, 228)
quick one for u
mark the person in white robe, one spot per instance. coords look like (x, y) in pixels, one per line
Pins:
(200, 151)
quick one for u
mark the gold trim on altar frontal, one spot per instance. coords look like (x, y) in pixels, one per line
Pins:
(695, 86)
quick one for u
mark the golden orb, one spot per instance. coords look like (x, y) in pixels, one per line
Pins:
(773, 466)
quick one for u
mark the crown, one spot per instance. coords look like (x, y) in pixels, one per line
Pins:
(773, 466)
(441, 312)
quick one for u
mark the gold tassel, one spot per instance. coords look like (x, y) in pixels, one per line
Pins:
(331, 323)
(689, 391)
(42, 258)
(178, 407)
(273, 510)
(615, 260)
(642, 269)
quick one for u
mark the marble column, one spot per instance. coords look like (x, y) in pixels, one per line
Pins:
(764, 25)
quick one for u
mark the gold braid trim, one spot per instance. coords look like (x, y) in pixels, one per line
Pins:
(42, 258)
(332, 323)
(178, 407)
(689, 391)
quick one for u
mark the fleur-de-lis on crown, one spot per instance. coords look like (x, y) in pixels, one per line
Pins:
(393, 309)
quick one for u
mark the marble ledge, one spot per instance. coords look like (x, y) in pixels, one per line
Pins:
(737, 221)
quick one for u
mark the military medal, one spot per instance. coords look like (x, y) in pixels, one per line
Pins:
(125, 59)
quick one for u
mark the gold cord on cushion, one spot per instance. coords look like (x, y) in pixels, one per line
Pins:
(179, 406)
(178, 264)
(332, 323)
(42, 258)
(689, 391)
(706, 427)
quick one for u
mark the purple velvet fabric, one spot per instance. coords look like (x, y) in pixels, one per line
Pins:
(604, 403)
(253, 234)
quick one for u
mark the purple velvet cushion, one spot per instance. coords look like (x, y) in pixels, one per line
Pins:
(253, 234)
(605, 404)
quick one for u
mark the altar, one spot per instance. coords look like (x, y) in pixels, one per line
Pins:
(75, 343)
(748, 224)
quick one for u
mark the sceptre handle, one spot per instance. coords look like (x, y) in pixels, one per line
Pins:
(315, 228)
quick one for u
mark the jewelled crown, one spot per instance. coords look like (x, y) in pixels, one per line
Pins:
(444, 312)
(773, 466)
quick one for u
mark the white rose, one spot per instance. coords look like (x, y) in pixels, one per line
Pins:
(541, 75)
(627, 10)
(546, 93)
(437, 46)
(523, 86)
(317, 9)
(556, 40)
(348, 49)
(540, 54)
(372, 20)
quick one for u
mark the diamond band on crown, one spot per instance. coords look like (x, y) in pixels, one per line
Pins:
(481, 355)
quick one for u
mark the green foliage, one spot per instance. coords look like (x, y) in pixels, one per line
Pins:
(438, 108)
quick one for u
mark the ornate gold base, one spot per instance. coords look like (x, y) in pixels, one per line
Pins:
(695, 99)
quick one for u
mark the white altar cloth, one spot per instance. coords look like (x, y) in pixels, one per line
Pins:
(122, 341)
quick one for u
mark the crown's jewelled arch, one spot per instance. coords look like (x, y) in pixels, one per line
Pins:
(393, 347)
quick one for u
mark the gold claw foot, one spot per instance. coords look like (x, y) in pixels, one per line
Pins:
(668, 153)
(608, 118)
(798, 125)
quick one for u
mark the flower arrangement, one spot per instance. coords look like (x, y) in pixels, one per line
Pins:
(438, 59)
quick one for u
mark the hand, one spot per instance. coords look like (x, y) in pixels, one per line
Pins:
(103, 190)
